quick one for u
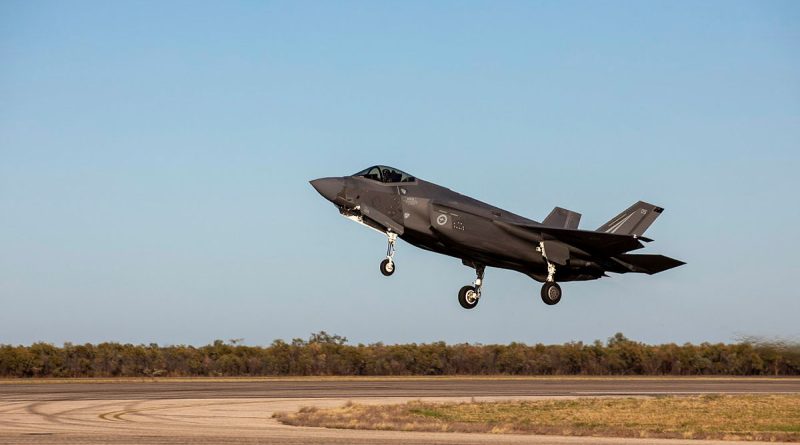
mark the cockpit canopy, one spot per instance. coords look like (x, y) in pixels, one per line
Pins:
(383, 173)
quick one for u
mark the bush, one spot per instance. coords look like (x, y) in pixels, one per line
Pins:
(325, 354)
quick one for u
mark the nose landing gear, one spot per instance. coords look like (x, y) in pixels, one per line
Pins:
(468, 296)
(387, 265)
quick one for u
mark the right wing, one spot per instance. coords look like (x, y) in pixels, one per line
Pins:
(606, 244)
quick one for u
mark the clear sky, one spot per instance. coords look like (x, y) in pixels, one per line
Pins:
(155, 158)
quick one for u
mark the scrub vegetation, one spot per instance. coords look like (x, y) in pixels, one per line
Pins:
(741, 417)
(330, 355)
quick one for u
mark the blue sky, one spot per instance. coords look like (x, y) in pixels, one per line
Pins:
(154, 159)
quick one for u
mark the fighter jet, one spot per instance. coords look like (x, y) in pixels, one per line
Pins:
(438, 219)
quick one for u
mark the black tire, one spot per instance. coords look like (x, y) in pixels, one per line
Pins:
(388, 267)
(551, 293)
(467, 297)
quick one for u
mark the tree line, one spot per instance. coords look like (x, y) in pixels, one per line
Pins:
(324, 354)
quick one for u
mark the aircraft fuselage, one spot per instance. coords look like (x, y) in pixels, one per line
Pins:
(440, 220)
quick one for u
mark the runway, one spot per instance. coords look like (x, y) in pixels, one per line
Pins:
(237, 411)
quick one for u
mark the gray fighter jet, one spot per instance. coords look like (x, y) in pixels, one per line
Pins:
(438, 219)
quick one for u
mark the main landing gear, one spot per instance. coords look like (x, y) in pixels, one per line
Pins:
(468, 296)
(551, 291)
(387, 265)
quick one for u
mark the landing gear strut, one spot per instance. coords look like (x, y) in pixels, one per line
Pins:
(387, 265)
(551, 291)
(468, 296)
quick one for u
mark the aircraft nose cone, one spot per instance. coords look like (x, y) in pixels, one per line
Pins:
(328, 187)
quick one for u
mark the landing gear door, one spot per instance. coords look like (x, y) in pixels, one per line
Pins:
(555, 252)
(386, 200)
(382, 219)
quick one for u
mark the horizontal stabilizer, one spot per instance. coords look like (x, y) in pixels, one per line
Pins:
(648, 264)
(562, 218)
(633, 221)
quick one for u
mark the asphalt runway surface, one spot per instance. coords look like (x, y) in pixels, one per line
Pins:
(235, 411)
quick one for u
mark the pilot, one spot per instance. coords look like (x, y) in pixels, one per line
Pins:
(390, 175)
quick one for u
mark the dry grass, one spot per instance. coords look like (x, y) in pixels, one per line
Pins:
(741, 417)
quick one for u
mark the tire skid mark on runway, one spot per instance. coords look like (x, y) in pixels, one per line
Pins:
(15, 423)
(58, 417)
(178, 418)
(140, 412)
(113, 414)
(21, 409)
(131, 408)
(12, 407)
(34, 410)
(79, 421)
(269, 422)
(173, 418)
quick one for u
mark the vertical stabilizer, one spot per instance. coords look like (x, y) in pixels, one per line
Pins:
(633, 221)
(562, 218)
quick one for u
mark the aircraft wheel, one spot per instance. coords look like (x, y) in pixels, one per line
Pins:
(387, 267)
(468, 297)
(551, 293)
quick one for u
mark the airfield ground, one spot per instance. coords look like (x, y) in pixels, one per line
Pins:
(231, 411)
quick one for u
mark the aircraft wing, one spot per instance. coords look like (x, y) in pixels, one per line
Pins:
(607, 244)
